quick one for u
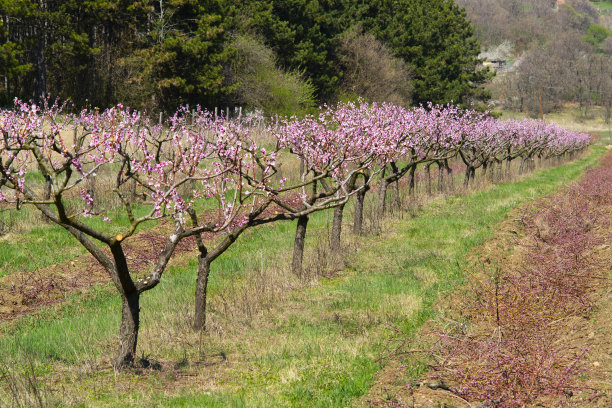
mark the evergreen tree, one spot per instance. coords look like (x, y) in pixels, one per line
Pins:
(159, 54)
(184, 65)
(432, 36)
(305, 35)
(436, 40)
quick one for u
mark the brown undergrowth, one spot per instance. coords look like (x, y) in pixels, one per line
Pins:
(531, 327)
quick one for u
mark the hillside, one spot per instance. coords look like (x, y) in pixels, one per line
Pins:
(561, 51)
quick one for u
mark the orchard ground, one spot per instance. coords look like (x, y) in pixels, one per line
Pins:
(569, 317)
(273, 339)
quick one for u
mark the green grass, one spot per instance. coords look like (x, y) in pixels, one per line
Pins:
(605, 4)
(605, 137)
(47, 243)
(315, 346)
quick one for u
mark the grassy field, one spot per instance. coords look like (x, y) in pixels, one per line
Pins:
(273, 340)
(570, 117)
(606, 137)
(604, 4)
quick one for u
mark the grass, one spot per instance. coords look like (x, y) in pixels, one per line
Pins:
(570, 117)
(33, 243)
(45, 243)
(605, 137)
(604, 4)
(273, 340)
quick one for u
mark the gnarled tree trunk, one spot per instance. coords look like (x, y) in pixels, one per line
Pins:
(298, 246)
(128, 331)
(358, 216)
(199, 318)
(411, 185)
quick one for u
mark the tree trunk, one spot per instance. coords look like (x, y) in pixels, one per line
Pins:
(428, 178)
(522, 166)
(440, 178)
(382, 195)
(199, 319)
(298, 246)
(411, 185)
(47, 192)
(508, 166)
(468, 173)
(130, 311)
(128, 331)
(449, 175)
(358, 217)
(398, 197)
(336, 232)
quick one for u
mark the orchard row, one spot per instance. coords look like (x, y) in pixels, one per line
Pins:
(247, 172)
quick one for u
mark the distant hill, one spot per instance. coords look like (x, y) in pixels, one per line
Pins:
(561, 49)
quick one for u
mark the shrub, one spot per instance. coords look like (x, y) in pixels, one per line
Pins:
(261, 84)
(372, 72)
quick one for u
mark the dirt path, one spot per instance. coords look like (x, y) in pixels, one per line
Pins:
(578, 372)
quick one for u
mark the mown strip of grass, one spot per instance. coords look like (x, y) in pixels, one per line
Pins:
(319, 348)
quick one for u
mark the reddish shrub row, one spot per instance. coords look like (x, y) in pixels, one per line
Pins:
(509, 355)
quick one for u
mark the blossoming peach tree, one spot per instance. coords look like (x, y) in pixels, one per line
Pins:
(213, 175)
(175, 165)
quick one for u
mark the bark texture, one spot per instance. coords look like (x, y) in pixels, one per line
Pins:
(128, 331)
(336, 232)
(199, 319)
(298, 246)
(358, 216)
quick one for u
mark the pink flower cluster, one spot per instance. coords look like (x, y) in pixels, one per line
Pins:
(198, 155)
